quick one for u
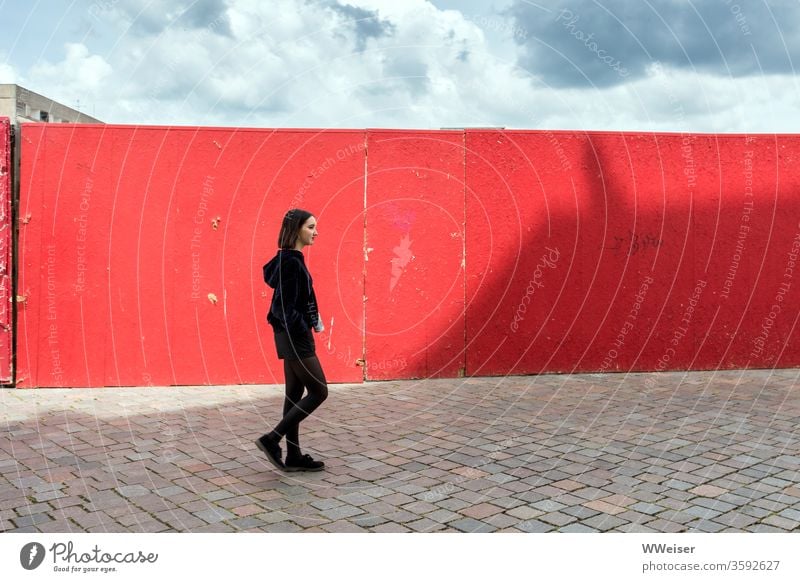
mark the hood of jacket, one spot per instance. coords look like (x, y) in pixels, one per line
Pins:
(272, 269)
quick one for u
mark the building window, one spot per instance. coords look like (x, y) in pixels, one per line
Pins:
(43, 116)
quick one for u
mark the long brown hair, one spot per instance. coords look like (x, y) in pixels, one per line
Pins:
(290, 228)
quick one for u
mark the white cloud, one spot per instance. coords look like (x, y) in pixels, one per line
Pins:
(676, 100)
(300, 63)
(80, 76)
(7, 73)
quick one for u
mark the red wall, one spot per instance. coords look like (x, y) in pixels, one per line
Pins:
(441, 253)
(142, 252)
(6, 296)
(619, 251)
(415, 255)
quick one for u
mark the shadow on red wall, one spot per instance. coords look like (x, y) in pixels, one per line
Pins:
(630, 252)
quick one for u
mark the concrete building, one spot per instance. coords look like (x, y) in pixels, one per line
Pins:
(21, 105)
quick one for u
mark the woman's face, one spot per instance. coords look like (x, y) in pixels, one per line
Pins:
(308, 232)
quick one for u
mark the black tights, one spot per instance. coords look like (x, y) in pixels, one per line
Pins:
(300, 374)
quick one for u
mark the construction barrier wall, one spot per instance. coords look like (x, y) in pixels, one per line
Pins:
(616, 252)
(441, 253)
(6, 267)
(142, 248)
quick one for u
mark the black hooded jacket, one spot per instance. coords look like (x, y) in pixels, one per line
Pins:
(294, 304)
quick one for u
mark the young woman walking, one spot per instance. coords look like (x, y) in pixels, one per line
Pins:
(293, 314)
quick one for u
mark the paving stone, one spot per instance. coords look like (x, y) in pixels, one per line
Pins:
(501, 478)
(246, 510)
(648, 508)
(791, 514)
(534, 526)
(481, 511)
(418, 486)
(397, 499)
(753, 511)
(471, 525)
(326, 503)
(424, 525)
(677, 484)
(530, 497)
(420, 507)
(777, 521)
(680, 517)
(524, 512)
(659, 525)
(702, 512)
(368, 521)
(577, 528)
(548, 505)
(715, 504)
(781, 498)
(501, 520)
(341, 512)
(401, 516)
(557, 518)
(778, 482)
(218, 495)
(735, 519)
(29, 520)
(247, 523)
(452, 504)
(603, 507)
(288, 527)
(734, 500)
(443, 515)
(705, 526)
(708, 491)
(590, 493)
(568, 485)
(306, 521)
(649, 492)
(215, 515)
(368, 464)
(580, 511)
(49, 496)
(603, 522)
(356, 498)
(507, 502)
(170, 491)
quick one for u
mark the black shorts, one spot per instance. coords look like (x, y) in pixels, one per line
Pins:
(296, 346)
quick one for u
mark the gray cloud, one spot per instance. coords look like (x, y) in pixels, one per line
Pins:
(578, 43)
(367, 24)
(408, 71)
(209, 14)
(151, 18)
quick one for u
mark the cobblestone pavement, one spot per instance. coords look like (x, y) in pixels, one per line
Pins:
(672, 452)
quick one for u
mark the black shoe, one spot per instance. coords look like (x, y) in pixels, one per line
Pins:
(272, 450)
(304, 463)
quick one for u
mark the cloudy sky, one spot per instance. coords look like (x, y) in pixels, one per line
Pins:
(663, 65)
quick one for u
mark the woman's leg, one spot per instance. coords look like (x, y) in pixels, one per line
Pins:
(310, 374)
(294, 392)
